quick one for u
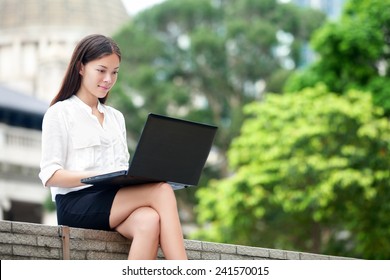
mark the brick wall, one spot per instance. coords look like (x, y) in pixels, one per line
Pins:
(24, 241)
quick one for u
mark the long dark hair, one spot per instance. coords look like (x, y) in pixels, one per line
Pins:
(92, 47)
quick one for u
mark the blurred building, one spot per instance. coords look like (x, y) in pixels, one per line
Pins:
(21, 192)
(37, 38)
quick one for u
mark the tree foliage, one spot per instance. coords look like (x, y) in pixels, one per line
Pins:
(353, 52)
(310, 173)
(204, 60)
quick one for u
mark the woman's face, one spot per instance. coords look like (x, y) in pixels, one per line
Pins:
(99, 76)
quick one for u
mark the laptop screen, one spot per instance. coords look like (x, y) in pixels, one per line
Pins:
(172, 149)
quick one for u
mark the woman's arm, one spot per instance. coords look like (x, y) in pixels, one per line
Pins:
(55, 150)
(68, 179)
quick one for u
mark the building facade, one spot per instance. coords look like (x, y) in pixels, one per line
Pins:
(37, 38)
(21, 193)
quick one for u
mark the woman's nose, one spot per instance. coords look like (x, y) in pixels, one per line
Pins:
(107, 78)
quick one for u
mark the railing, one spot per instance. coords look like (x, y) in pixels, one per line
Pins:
(20, 146)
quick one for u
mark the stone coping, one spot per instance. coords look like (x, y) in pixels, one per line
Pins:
(19, 240)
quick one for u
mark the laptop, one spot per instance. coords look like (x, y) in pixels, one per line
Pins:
(169, 150)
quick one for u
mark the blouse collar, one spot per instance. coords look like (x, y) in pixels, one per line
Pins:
(86, 107)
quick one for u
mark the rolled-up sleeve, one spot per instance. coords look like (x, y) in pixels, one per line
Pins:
(54, 144)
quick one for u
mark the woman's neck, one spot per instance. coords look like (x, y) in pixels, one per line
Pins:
(88, 99)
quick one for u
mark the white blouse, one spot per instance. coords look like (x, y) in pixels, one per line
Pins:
(73, 139)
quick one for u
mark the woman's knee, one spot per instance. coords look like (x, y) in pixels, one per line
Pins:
(146, 221)
(166, 191)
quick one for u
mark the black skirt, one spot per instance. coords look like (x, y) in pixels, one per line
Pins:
(87, 208)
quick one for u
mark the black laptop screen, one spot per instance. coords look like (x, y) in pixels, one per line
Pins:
(172, 149)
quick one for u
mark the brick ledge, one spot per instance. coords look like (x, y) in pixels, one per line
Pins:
(23, 241)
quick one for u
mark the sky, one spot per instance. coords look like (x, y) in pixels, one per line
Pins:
(135, 6)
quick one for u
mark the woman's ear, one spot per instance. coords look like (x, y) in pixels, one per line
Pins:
(81, 68)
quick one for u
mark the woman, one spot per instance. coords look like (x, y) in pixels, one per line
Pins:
(82, 137)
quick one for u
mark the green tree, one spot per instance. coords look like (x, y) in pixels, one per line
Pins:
(204, 60)
(353, 53)
(310, 173)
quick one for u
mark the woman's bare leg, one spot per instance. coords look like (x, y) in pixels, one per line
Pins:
(161, 198)
(143, 226)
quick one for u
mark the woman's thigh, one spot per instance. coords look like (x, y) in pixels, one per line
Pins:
(128, 199)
